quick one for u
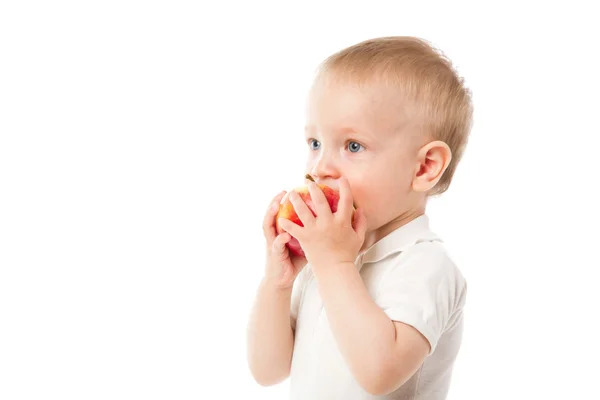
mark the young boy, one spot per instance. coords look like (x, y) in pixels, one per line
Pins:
(375, 310)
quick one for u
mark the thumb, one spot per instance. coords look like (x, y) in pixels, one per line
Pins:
(279, 243)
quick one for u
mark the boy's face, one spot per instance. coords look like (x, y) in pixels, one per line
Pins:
(360, 134)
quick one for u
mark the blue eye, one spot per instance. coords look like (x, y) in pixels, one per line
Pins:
(355, 147)
(314, 144)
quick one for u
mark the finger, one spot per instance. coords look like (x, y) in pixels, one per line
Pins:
(304, 213)
(319, 200)
(293, 229)
(345, 205)
(279, 249)
(360, 224)
(269, 219)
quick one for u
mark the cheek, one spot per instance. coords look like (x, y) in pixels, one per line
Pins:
(372, 199)
(380, 196)
(367, 194)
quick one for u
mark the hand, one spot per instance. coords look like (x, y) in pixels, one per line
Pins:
(328, 238)
(281, 268)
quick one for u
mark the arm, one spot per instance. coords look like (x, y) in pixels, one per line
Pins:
(270, 335)
(381, 354)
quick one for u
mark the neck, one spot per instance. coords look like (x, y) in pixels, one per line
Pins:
(374, 236)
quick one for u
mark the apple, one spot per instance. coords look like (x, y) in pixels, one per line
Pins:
(286, 210)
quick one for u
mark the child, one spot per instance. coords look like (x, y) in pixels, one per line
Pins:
(375, 310)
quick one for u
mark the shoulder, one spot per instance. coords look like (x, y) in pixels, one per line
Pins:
(429, 259)
(422, 287)
(427, 266)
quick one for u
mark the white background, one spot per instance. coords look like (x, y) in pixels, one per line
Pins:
(140, 144)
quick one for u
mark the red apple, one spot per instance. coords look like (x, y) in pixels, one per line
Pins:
(286, 210)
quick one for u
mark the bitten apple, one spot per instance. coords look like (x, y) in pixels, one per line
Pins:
(286, 210)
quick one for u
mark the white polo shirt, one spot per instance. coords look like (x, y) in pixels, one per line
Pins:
(411, 277)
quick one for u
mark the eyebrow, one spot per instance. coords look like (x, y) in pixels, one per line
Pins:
(343, 130)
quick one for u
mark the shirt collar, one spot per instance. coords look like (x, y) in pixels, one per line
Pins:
(415, 231)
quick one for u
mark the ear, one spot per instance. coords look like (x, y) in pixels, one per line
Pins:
(432, 161)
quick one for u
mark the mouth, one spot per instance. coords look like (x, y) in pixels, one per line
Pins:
(310, 178)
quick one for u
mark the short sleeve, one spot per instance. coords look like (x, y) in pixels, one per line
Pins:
(422, 288)
(297, 293)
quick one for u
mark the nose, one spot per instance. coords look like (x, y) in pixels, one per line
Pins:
(325, 167)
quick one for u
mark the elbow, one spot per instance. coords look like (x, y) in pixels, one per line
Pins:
(378, 390)
(381, 381)
(265, 377)
(376, 386)
(266, 380)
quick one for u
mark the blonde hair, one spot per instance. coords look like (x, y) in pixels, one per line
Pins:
(425, 78)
